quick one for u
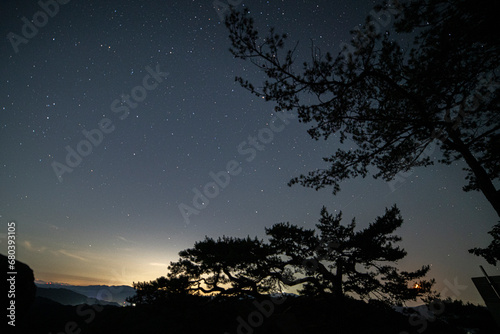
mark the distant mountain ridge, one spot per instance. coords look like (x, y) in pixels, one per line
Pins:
(68, 297)
(110, 294)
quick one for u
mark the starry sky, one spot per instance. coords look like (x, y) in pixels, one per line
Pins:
(145, 91)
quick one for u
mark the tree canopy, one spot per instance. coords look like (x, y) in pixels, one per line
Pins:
(491, 253)
(227, 266)
(339, 260)
(395, 100)
(334, 260)
(159, 290)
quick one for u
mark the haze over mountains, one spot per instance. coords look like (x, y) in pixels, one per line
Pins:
(68, 297)
(62, 308)
(103, 294)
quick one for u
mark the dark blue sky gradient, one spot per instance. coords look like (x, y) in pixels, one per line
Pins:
(115, 217)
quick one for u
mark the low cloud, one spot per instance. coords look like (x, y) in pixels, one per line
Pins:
(32, 248)
(124, 239)
(158, 264)
(74, 256)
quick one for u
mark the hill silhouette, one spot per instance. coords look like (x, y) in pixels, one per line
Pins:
(197, 314)
(115, 293)
(295, 315)
(18, 287)
(68, 297)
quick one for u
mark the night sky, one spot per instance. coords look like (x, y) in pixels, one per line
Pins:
(151, 84)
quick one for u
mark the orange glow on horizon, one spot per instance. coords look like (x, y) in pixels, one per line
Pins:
(65, 279)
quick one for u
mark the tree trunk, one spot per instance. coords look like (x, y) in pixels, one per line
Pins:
(338, 292)
(483, 180)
